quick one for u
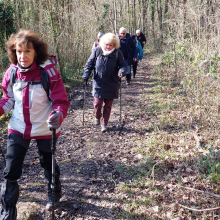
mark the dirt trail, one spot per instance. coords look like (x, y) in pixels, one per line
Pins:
(91, 162)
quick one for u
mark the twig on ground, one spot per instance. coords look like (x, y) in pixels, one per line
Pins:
(113, 178)
(199, 191)
(152, 173)
(199, 210)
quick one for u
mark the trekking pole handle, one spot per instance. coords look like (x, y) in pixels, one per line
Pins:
(53, 144)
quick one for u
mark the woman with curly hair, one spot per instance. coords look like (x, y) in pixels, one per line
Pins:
(35, 111)
(109, 65)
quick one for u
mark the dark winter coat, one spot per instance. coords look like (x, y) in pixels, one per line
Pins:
(141, 38)
(106, 70)
(131, 49)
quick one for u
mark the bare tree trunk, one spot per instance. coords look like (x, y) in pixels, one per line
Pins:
(128, 12)
(115, 15)
(153, 8)
(145, 18)
(160, 18)
(134, 16)
(184, 18)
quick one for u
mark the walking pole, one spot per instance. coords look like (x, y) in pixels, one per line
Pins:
(84, 103)
(120, 99)
(53, 149)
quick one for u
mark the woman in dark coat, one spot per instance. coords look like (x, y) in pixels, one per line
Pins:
(108, 64)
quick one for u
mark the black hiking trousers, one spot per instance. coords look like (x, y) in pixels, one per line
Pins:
(135, 64)
(17, 148)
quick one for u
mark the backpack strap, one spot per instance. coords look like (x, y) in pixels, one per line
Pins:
(13, 74)
(45, 82)
(98, 52)
(116, 54)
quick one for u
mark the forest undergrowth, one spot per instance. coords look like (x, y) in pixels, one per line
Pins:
(161, 162)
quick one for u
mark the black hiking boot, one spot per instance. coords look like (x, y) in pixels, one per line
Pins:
(58, 190)
(58, 195)
(9, 198)
(49, 205)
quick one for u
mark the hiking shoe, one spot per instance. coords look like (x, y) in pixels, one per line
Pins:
(103, 128)
(97, 121)
(128, 83)
(49, 206)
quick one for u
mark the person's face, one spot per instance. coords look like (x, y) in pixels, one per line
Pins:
(108, 46)
(138, 34)
(25, 55)
(122, 34)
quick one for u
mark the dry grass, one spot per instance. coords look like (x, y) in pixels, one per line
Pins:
(179, 129)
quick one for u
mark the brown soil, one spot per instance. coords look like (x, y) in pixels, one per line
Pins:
(91, 162)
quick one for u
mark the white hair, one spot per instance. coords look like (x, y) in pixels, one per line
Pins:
(138, 31)
(122, 29)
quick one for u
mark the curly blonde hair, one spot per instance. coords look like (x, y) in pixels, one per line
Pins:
(110, 38)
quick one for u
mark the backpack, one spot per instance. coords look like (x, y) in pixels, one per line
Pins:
(44, 80)
(96, 44)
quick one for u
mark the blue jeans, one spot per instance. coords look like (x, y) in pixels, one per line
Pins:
(128, 67)
(128, 73)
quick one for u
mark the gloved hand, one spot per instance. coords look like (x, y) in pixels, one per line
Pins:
(85, 82)
(55, 119)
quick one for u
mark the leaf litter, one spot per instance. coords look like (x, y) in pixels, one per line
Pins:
(147, 167)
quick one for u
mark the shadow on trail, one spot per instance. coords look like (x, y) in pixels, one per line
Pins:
(91, 187)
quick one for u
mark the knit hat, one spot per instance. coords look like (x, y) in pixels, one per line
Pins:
(100, 34)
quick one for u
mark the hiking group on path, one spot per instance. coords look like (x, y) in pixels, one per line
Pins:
(33, 88)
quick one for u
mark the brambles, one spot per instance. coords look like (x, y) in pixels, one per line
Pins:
(210, 163)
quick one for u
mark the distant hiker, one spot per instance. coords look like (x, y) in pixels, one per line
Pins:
(140, 54)
(96, 43)
(141, 38)
(109, 64)
(24, 85)
(129, 51)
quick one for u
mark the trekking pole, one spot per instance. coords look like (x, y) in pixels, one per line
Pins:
(84, 103)
(120, 99)
(53, 149)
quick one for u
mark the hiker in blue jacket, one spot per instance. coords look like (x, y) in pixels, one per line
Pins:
(129, 51)
(108, 64)
(140, 54)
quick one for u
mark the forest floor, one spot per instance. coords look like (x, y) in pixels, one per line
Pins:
(147, 167)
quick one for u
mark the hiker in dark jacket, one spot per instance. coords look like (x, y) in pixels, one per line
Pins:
(141, 38)
(109, 65)
(129, 51)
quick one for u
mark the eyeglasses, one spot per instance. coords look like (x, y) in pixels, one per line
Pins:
(123, 33)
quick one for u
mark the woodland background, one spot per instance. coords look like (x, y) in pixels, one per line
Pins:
(184, 32)
(71, 26)
(182, 93)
